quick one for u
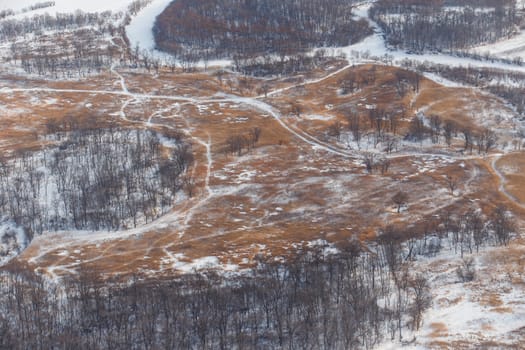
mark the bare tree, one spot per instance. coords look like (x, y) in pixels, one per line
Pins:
(400, 199)
(448, 130)
(422, 299)
(466, 272)
(355, 126)
(467, 136)
(369, 160)
(502, 224)
(417, 130)
(452, 183)
(254, 135)
(296, 109)
(265, 88)
(435, 127)
(334, 130)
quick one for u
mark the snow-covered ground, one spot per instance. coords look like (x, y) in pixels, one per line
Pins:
(140, 30)
(513, 47)
(12, 241)
(65, 6)
(455, 306)
(375, 46)
(486, 310)
(140, 33)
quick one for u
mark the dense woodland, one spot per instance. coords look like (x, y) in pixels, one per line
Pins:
(421, 25)
(93, 179)
(273, 66)
(352, 299)
(227, 28)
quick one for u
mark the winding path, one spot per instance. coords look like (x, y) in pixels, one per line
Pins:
(503, 181)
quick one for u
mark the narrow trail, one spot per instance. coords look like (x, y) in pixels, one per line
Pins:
(122, 81)
(181, 219)
(503, 181)
(189, 213)
(312, 141)
(305, 83)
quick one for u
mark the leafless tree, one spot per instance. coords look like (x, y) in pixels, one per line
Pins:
(449, 129)
(335, 129)
(502, 224)
(422, 299)
(452, 183)
(400, 199)
(466, 272)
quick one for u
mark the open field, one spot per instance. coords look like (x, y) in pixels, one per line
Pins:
(270, 198)
(351, 147)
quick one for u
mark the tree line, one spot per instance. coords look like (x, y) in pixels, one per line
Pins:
(268, 65)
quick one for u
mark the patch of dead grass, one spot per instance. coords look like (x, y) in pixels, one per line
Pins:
(439, 330)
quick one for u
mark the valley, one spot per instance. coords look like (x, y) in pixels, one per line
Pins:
(350, 145)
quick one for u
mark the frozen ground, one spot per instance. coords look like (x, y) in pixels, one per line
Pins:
(470, 315)
(513, 47)
(66, 6)
(374, 46)
(140, 33)
(140, 30)
(458, 308)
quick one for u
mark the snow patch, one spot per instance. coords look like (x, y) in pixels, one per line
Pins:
(66, 6)
(318, 117)
(13, 239)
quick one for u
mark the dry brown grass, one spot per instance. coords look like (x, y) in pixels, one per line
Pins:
(491, 299)
(439, 330)
(292, 193)
(512, 166)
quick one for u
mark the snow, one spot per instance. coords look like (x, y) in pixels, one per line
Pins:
(467, 316)
(318, 117)
(140, 30)
(198, 264)
(180, 262)
(507, 48)
(66, 6)
(464, 311)
(373, 48)
(12, 241)
(440, 80)
(140, 33)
